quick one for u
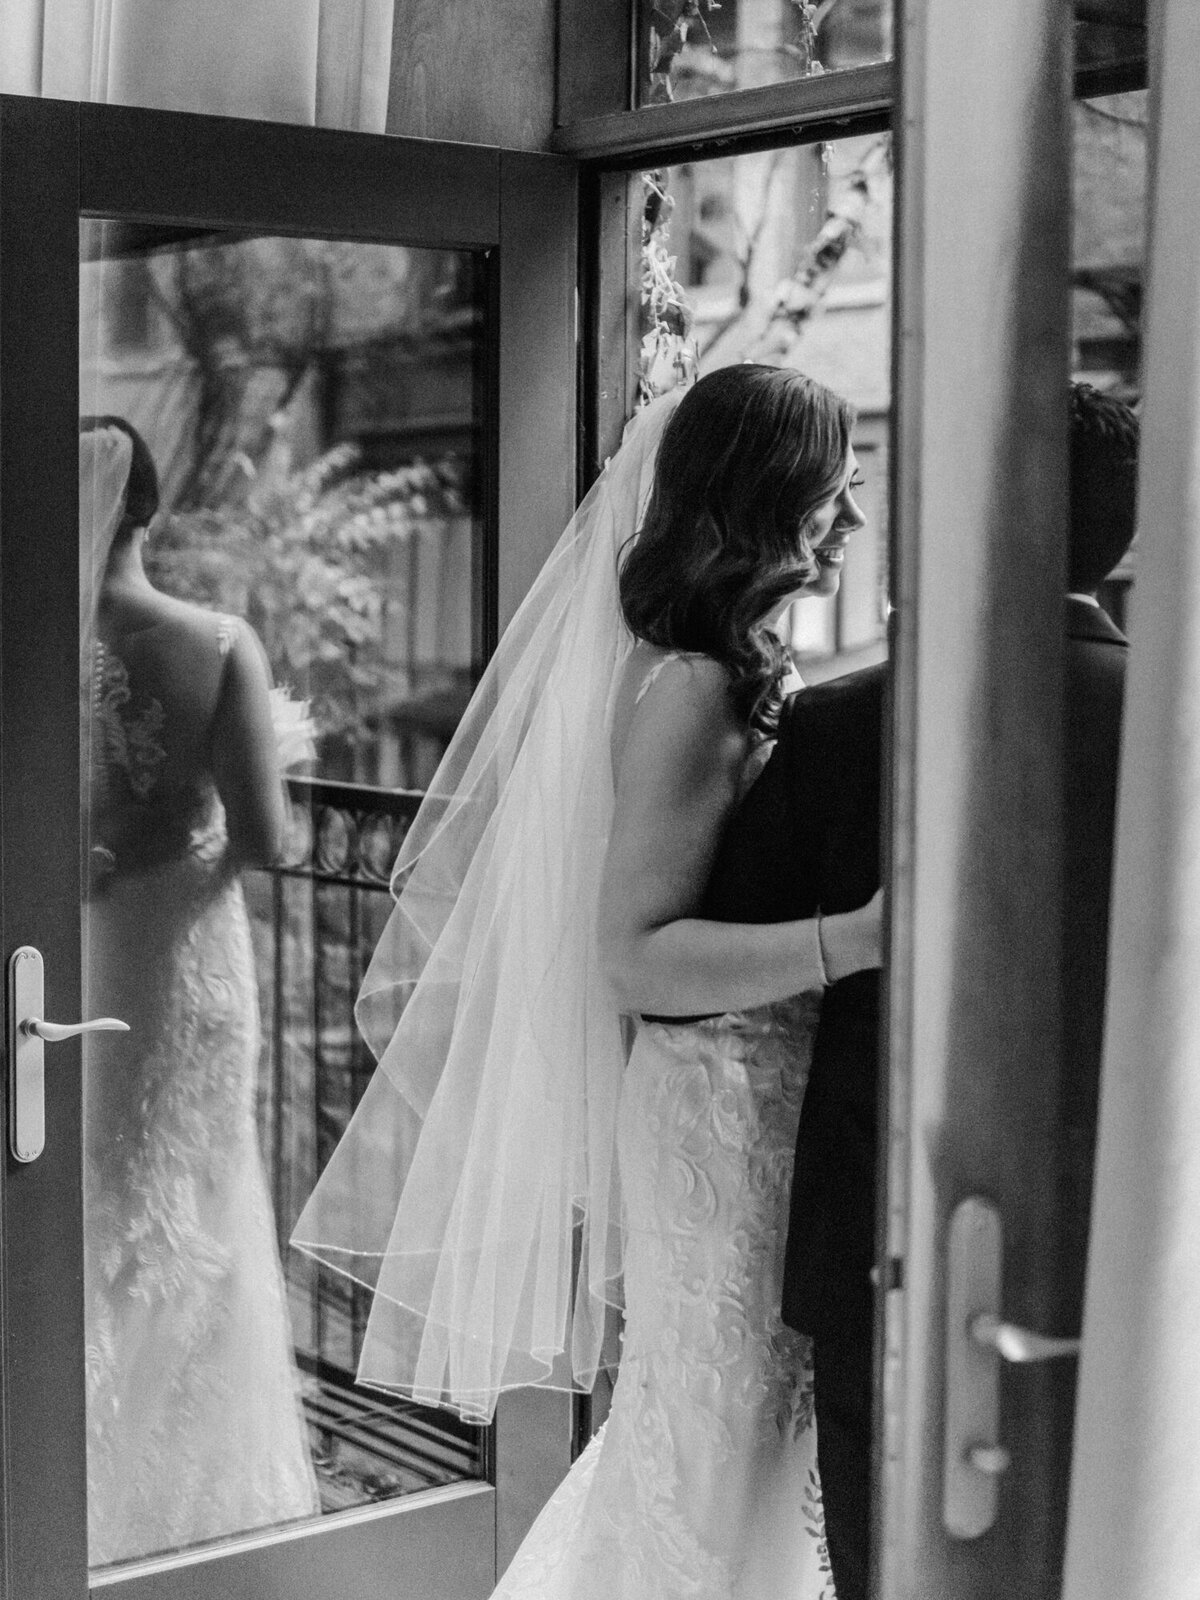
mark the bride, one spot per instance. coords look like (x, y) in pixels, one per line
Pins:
(194, 1423)
(516, 1171)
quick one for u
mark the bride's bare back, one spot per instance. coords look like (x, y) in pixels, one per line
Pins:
(208, 678)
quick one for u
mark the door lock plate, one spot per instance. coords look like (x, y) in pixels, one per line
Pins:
(26, 1056)
(974, 1460)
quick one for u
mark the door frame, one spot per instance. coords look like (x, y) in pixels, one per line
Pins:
(60, 161)
(912, 1556)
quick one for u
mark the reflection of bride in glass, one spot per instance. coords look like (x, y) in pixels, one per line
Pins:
(512, 1164)
(194, 1424)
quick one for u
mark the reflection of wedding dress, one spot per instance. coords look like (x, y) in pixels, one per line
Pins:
(194, 1424)
(703, 1481)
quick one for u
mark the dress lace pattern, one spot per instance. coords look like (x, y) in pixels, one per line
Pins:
(703, 1483)
(194, 1425)
(126, 738)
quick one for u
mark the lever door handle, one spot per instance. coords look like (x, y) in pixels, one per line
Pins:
(28, 1034)
(1018, 1344)
(55, 1032)
(978, 1342)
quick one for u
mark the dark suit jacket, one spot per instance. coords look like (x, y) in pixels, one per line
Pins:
(1095, 681)
(807, 836)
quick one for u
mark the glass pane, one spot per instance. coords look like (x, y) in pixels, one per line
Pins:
(1109, 195)
(1110, 33)
(688, 49)
(691, 48)
(1108, 258)
(311, 411)
(785, 257)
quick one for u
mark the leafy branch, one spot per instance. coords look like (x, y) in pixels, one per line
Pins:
(799, 297)
(306, 560)
(747, 251)
(667, 356)
(683, 20)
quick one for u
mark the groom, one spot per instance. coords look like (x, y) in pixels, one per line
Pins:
(807, 836)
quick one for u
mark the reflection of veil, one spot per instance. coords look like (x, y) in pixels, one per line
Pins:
(487, 1134)
(105, 455)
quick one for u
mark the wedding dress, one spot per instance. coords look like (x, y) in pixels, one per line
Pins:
(703, 1481)
(194, 1425)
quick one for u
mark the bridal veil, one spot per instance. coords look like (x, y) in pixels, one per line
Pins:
(475, 1190)
(105, 454)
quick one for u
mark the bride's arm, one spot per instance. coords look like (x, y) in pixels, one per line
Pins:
(244, 754)
(677, 783)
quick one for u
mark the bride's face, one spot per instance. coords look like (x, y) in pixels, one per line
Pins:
(829, 530)
(830, 527)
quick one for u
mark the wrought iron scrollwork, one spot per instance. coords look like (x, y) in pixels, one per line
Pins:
(345, 833)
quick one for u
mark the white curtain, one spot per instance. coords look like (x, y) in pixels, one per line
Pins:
(319, 62)
(1135, 1494)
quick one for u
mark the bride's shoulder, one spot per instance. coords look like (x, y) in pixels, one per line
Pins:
(680, 675)
(681, 711)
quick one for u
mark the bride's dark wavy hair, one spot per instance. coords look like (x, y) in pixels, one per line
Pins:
(749, 455)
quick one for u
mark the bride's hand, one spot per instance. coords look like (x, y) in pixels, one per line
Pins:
(853, 940)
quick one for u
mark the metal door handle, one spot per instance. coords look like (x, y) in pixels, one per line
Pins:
(28, 1034)
(973, 1459)
(1019, 1344)
(978, 1340)
(55, 1032)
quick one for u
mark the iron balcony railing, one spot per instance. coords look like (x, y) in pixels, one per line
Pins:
(317, 915)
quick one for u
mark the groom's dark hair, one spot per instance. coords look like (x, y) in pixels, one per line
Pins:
(141, 489)
(1103, 492)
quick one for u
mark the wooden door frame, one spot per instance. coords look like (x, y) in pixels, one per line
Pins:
(60, 161)
(982, 363)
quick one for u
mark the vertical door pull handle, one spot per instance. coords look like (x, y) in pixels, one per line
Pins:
(1019, 1344)
(973, 1459)
(978, 1343)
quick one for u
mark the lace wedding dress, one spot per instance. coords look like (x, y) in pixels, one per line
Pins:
(194, 1424)
(703, 1482)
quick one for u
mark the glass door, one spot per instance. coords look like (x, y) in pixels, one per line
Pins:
(1005, 763)
(302, 516)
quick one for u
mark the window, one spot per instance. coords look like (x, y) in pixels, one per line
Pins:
(690, 49)
(784, 257)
